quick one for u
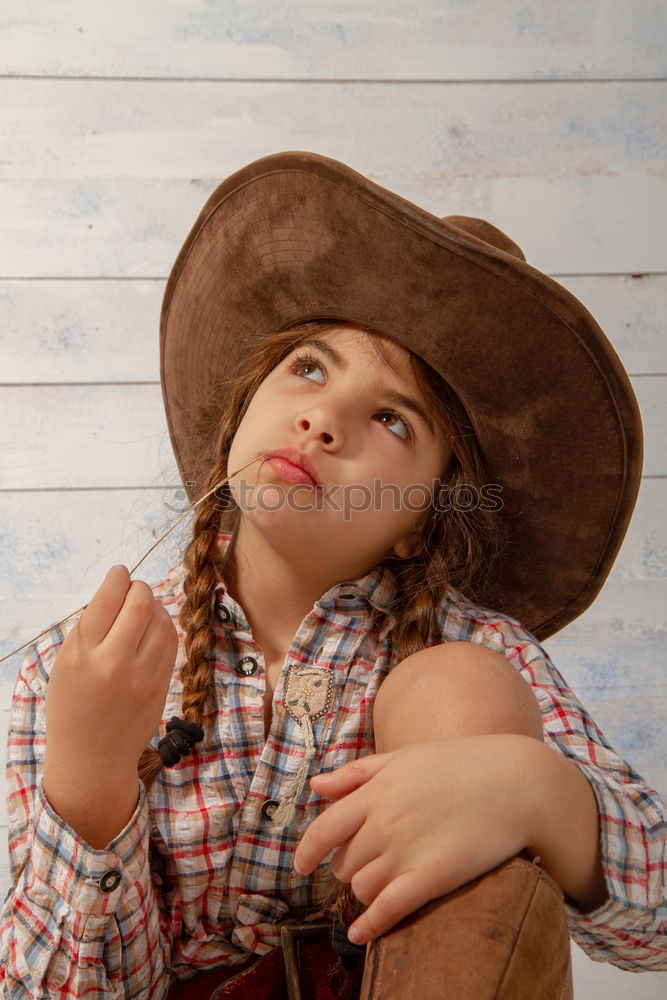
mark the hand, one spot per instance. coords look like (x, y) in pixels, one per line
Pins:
(109, 683)
(416, 823)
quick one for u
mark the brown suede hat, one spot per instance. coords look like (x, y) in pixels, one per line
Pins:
(297, 236)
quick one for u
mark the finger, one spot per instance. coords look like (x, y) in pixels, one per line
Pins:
(160, 636)
(403, 895)
(157, 650)
(133, 619)
(369, 881)
(335, 784)
(333, 827)
(104, 606)
(355, 854)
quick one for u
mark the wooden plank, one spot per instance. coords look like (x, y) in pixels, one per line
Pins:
(652, 398)
(643, 554)
(335, 39)
(623, 610)
(77, 331)
(85, 436)
(80, 331)
(631, 311)
(89, 436)
(65, 540)
(609, 669)
(181, 130)
(79, 532)
(621, 683)
(99, 227)
(473, 144)
(57, 547)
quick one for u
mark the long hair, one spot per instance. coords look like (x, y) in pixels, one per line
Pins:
(456, 547)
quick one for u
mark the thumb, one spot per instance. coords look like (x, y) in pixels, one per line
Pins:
(342, 781)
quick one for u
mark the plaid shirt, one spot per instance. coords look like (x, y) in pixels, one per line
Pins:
(199, 877)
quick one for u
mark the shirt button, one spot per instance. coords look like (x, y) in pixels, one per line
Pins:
(110, 880)
(268, 808)
(246, 666)
(223, 613)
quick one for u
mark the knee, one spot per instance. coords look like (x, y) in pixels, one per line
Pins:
(453, 689)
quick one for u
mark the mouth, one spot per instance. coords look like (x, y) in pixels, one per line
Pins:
(293, 466)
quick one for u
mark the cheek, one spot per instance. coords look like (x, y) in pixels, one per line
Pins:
(251, 423)
(243, 448)
(236, 447)
(415, 490)
(255, 433)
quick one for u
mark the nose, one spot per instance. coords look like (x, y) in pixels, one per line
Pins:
(327, 419)
(306, 423)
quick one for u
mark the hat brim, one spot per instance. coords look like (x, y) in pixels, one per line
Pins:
(297, 235)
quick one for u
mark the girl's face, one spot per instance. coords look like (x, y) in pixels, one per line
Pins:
(375, 456)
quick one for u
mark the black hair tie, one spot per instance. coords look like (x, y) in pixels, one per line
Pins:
(180, 739)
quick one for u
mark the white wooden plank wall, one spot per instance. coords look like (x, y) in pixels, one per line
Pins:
(117, 121)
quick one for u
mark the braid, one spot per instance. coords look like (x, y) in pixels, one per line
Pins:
(457, 548)
(195, 617)
(421, 581)
(195, 614)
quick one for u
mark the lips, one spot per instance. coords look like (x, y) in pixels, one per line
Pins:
(297, 459)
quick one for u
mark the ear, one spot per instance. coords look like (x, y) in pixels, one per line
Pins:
(407, 546)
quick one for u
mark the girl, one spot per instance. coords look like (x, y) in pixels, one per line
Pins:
(323, 708)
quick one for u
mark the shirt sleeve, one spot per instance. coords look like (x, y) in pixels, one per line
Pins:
(77, 921)
(629, 930)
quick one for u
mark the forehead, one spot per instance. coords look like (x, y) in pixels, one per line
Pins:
(374, 348)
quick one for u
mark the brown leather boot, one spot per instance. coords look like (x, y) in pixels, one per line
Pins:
(502, 936)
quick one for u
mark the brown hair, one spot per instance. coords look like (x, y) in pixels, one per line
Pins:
(456, 548)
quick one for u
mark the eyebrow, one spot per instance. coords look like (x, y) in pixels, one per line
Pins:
(396, 398)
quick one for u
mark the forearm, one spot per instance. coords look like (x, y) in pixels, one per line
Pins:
(566, 832)
(97, 804)
(62, 930)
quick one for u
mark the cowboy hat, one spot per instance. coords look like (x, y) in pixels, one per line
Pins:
(295, 236)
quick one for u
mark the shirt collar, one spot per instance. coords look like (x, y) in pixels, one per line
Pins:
(378, 588)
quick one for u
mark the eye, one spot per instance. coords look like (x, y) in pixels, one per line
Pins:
(302, 361)
(397, 417)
